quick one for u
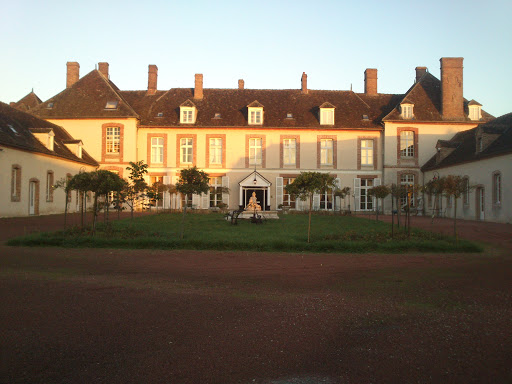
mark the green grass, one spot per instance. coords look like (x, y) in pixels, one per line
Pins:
(289, 234)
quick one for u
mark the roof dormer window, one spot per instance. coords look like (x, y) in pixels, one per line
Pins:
(289, 115)
(255, 113)
(12, 129)
(49, 105)
(160, 114)
(407, 110)
(217, 115)
(475, 110)
(188, 113)
(111, 104)
(327, 114)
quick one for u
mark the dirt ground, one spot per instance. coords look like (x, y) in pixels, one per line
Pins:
(145, 316)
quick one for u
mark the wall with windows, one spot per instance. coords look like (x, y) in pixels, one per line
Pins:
(230, 155)
(26, 188)
(100, 137)
(489, 198)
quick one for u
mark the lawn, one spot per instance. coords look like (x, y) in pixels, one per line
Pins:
(330, 233)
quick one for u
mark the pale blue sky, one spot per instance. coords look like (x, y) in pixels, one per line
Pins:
(267, 43)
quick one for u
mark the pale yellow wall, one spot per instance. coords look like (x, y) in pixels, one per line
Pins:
(480, 173)
(235, 147)
(34, 166)
(90, 132)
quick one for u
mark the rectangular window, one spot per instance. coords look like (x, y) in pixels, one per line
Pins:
(465, 195)
(327, 116)
(407, 144)
(407, 180)
(288, 200)
(186, 200)
(255, 151)
(326, 151)
(186, 149)
(15, 183)
(49, 187)
(215, 191)
(289, 151)
(366, 201)
(157, 150)
(187, 116)
(497, 188)
(326, 199)
(366, 152)
(113, 139)
(406, 111)
(215, 151)
(255, 116)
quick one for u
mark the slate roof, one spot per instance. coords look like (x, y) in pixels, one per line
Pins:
(425, 94)
(27, 102)
(465, 143)
(15, 132)
(87, 99)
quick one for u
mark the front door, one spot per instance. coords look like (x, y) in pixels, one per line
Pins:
(260, 196)
(32, 198)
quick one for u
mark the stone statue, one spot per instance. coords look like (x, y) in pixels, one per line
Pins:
(253, 204)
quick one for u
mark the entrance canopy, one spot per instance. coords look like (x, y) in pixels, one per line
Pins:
(255, 183)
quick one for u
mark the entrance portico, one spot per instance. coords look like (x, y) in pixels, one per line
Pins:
(255, 183)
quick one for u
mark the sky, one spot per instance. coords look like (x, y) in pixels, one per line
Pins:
(267, 43)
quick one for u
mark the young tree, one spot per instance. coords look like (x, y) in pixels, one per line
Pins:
(65, 184)
(134, 190)
(435, 188)
(192, 181)
(380, 192)
(103, 182)
(342, 193)
(81, 182)
(454, 186)
(306, 185)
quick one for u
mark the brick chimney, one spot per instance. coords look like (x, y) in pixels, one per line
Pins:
(241, 84)
(103, 68)
(370, 81)
(452, 101)
(304, 83)
(420, 71)
(198, 88)
(73, 73)
(152, 79)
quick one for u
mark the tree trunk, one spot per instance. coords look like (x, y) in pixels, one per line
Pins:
(95, 212)
(377, 215)
(81, 194)
(66, 211)
(182, 232)
(392, 216)
(309, 221)
(455, 220)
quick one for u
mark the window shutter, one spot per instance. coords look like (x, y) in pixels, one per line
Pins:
(205, 200)
(176, 200)
(225, 184)
(279, 191)
(376, 183)
(316, 202)
(337, 199)
(167, 195)
(357, 194)
(196, 200)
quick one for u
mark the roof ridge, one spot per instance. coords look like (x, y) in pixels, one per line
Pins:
(110, 83)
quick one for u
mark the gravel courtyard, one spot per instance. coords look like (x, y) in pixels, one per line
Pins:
(144, 316)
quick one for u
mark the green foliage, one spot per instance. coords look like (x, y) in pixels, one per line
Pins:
(380, 191)
(193, 180)
(309, 183)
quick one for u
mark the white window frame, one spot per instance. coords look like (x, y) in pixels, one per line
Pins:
(255, 151)
(475, 112)
(407, 111)
(407, 179)
(255, 115)
(407, 144)
(288, 200)
(496, 188)
(289, 151)
(157, 150)
(187, 115)
(325, 199)
(186, 150)
(113, 139)
(215, 151)
(49, 186)
(367, 152)
(366, 202)
(327, 116)
(215, 191)
(326, 152)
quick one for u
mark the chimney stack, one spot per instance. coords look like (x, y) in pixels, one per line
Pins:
(420, 71)
(103, 68)
(198, 88)
(452, 106)
(241, 84)
(304, 83)
(73, 73)
(152, 79)
(370, 81)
